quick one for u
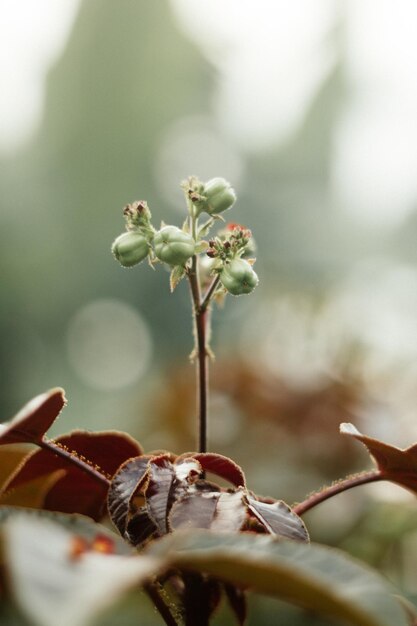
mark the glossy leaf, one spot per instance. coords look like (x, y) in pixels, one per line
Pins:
(128, 478)
(76, 491)
(221, 466)
(395, 464)
(34, 419)
(278, 519)
(167, 482)
(315, 577)
(53, 584)
(215, 510)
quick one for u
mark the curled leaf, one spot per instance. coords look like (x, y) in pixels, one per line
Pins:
(221, 466)
(128, 478)
(394, 464)
(34, 419)
(278, 519)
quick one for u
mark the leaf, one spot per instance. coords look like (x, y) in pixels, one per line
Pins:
(33, 493)
(34, 419)
(221, 466)
(201, 246)
(177, 274)
(315, 577)
(53, 585)
(204, 228)
(78, 525)
(215, 510)
(126, 480)
(278, 519)
(76, 491)
(395, 464)
(167, 482)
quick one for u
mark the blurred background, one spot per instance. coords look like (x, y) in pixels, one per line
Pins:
(310, 110)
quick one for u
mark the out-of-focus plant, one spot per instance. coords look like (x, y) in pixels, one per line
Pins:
(183, 538)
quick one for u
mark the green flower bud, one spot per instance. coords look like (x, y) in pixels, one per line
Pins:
(238, 277)
(130, 248)
(173, 245)
(219, 196)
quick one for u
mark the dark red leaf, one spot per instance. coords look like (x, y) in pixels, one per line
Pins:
(34, 419)
(221, 466)
(139, 527)
(125, 482)
(278, 519)
(395, 464)
(77, 491)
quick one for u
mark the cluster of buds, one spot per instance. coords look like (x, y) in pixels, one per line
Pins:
(212, 197)
(176, 247)
(231, 241)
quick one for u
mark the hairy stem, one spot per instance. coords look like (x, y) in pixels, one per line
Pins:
(153, 593)
(71, 457)
(338, 487)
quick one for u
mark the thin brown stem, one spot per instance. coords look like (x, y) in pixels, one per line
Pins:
(152, 591)
(336, 488)
(71, 457)
(200, 328)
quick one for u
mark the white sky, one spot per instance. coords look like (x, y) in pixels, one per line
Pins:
(273, 55)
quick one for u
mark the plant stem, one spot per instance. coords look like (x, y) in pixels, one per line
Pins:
(209, 293)
(71, 457)
(160, 605)
(200, 329)
(338, 487)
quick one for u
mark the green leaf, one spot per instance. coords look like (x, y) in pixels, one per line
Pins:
(312, 576)
(201, 246)
(52, 584)
(204, 228)
(176, 276)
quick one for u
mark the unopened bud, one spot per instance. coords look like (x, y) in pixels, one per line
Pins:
(218, 196)
(238, 277)
(130, 248)
(173, 245)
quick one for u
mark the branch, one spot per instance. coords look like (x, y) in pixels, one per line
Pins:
(336, 488)
(55, 448)
(152, 591)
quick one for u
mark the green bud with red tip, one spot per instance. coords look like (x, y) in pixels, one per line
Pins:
(130, 248)
(238, 277)
(173, 246)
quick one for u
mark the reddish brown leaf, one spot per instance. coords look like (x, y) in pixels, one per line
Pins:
(77, 491)
(278, 519)
(168, 482)
(209, 508)
(34, 419)
(140, 527)
(125, 482)
(395, 464)
(221, 466)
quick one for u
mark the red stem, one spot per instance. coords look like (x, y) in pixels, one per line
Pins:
(71, 457)
(339, 487)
